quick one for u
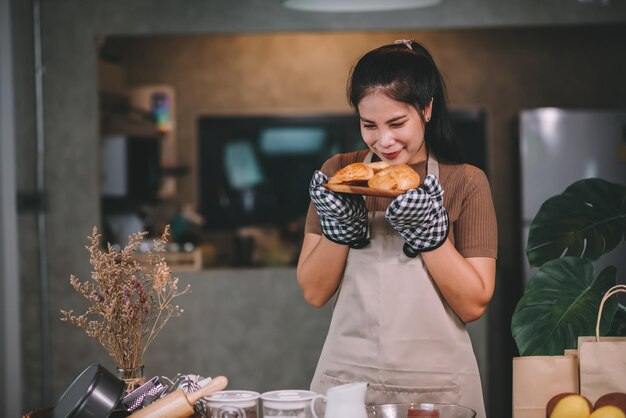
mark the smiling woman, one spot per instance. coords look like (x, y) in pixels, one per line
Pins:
(394, 262)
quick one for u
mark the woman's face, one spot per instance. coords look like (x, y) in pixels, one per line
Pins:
(393, 130)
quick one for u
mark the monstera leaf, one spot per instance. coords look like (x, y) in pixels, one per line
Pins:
(618, 326)
(587, 220)
(560, 303)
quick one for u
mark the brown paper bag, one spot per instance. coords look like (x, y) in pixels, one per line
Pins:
(536, 379)
(602, 361)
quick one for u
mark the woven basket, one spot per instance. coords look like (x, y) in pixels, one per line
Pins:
(40, 413)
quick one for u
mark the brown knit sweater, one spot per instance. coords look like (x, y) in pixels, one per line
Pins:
(467, 197)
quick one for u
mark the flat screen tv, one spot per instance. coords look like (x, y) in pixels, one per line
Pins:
(255, 170)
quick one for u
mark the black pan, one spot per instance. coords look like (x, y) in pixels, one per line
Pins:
(95, 393)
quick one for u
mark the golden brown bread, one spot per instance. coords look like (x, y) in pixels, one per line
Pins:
(378, 166)
(382, 180)
(352, 173)
(395, 177)
(378, 175)
(357, 172)
(405, 176)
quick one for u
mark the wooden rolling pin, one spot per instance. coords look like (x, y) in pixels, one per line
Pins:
(179, 404)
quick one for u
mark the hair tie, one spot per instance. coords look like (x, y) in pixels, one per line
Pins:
(407, 42)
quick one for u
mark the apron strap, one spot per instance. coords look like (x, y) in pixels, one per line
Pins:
(433, 165)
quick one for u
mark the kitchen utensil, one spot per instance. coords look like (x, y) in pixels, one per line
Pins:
(178, 404)
(144, 394)
(343, 401)
(233, 404)
(95, 393)
(191, 383)
(408, 410)
(362, 190)
(287, 403)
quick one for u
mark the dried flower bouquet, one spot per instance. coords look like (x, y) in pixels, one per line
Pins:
(130, 301)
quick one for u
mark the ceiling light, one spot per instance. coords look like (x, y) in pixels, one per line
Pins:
(356, 5)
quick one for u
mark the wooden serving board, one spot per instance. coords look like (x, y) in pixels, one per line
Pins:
(362, 190)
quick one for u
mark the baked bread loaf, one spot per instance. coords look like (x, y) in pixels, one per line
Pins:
(357, 172)
(396, 177)
(378, 166)
(352, 173)
(378, 175)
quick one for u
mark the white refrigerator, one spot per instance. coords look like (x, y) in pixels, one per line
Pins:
(561, 146)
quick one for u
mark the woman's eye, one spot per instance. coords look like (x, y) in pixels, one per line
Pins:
(397, 125)
(369, 126)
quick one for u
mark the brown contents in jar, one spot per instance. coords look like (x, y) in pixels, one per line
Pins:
(422, 413)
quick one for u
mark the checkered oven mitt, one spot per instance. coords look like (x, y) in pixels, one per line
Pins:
(343, 216)
(419, 216)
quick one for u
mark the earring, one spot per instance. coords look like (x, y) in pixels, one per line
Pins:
(427, 118)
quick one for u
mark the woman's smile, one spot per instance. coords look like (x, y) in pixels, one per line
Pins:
(391, 155)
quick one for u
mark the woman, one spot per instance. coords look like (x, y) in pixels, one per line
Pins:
(409, 272)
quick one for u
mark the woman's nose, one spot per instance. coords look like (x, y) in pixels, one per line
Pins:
(386, 138)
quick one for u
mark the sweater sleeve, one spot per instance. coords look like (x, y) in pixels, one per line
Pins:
(475, 229)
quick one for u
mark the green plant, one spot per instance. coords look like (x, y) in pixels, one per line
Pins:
(561, 300)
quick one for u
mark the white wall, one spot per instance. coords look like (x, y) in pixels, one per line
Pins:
(10, 354)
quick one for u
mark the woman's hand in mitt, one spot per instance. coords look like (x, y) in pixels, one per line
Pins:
(343, 216)
(419, 216)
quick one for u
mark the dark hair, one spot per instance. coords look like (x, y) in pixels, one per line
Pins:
(408, 75)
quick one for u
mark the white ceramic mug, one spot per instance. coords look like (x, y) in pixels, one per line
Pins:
(344, 401)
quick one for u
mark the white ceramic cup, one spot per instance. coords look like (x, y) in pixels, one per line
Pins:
(287, 403)
(233, 404)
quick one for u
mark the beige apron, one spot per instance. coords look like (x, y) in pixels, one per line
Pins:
(392, 328)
